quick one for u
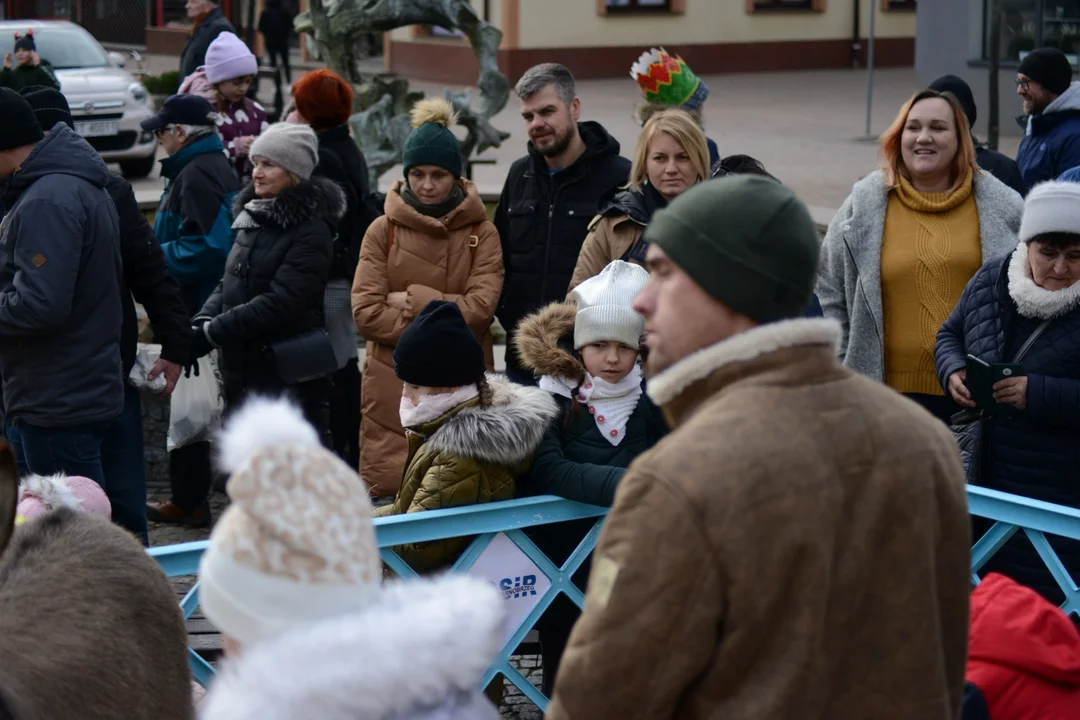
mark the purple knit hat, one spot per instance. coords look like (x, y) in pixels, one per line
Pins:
(227, 58)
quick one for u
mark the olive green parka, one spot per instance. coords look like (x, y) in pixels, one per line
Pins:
(472, 454)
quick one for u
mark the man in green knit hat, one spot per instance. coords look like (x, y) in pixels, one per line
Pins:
(798, 546)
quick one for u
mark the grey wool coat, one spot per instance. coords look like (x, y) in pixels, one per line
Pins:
(849, 275)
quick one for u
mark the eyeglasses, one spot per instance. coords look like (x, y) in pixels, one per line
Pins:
(162, 131)
(1023, 84)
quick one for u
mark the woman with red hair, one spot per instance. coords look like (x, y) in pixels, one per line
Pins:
(904, 244)
(324, 101)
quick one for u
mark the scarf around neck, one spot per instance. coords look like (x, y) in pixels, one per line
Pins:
(610, 404)
(457, 196)
(248, 217)
(433, 407)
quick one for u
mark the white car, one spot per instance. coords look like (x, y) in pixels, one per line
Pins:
(106, 101)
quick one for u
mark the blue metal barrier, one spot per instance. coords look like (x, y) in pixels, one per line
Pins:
(484, 521)
(1010, 512)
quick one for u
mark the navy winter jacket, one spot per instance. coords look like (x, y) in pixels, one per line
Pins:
(194, 217)
(60, 285)
(1051, 144)
(1034, 452)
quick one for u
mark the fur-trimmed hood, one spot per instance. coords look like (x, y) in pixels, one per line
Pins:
(418, 654)
(744, 347)
(1033, 301)
(545, 341)
(318, 197)
(507, 432)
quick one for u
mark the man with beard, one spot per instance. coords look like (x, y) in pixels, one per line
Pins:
(550, 197)
(1051, 118)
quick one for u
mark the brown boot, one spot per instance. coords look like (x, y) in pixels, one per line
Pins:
(172, 514)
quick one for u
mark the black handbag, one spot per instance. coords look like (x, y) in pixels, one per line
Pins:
(304, 357)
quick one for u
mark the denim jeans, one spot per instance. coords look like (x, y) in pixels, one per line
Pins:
(70, 450)
(125, 467)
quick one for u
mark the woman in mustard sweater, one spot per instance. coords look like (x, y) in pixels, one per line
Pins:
(905, 243)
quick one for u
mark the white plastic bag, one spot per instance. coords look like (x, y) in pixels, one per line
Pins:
(197, 406)
(144, 364)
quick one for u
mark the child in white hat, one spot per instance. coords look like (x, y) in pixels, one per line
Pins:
(587, 354)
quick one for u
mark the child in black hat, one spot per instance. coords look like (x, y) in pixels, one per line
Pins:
(30, 69)
(470, 433)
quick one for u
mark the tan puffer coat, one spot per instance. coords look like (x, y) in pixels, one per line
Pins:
(470, 455)
(456, 258)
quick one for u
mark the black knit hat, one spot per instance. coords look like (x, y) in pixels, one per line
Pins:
(25, 41)
(50, 106)
(18, 125)
(961, 91)
(438, 349)
(1049, 67)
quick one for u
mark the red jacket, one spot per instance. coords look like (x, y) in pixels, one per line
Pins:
(1024, 653)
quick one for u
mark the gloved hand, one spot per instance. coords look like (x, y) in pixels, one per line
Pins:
(200, 346)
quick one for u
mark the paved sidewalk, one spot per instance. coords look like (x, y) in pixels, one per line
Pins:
(806, 127)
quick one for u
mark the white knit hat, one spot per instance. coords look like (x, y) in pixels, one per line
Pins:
(1051, 207)
(297, 544)
(604, 306)
(293, 147)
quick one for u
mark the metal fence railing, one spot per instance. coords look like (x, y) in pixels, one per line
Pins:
(1011, 513)
(486, 522)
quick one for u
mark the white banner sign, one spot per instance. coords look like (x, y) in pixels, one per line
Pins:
(504, 565)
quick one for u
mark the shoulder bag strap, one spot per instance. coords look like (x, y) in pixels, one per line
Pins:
(1031, 340)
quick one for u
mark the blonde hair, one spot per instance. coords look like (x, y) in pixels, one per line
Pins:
(679, 125)
(892, 157)
(433, 110)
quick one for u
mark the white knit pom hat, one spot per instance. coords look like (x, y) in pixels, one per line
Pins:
(297, 544)
(604, 306)
(1051, 207)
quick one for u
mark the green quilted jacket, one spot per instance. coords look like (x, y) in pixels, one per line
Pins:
(470, 455)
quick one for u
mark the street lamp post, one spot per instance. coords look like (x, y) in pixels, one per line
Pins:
(870, 67)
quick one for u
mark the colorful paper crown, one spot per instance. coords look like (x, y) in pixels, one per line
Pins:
(666, 79)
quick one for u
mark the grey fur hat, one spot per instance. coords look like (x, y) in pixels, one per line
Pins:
(290, 146)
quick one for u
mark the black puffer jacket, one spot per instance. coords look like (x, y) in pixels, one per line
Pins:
(1034, 452)
(147, 278)
(274, 280)
(543, 220)
(340, 160)
(194, 54)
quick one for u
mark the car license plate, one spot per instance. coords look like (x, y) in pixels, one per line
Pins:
(96, 128)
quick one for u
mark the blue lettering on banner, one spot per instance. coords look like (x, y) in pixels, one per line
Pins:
(518, 587)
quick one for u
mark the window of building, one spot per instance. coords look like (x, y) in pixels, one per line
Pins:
(615, 6)
(1028, 24)
(773, 5)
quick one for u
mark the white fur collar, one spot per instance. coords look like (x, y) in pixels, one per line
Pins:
(419, 651)
(1033, 301)
(749, 345)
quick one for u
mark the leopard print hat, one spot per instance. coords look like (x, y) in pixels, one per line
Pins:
(297, 543)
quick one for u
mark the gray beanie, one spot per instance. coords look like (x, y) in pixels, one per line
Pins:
(293, 147)
(604, 306)
(1051, 207)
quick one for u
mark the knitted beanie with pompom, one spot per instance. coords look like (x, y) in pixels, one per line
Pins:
(432, 142)
(297, 544)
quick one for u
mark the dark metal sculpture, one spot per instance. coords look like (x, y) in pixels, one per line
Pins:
(337, 29)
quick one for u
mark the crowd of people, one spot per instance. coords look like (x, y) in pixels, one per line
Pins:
(782, 426)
